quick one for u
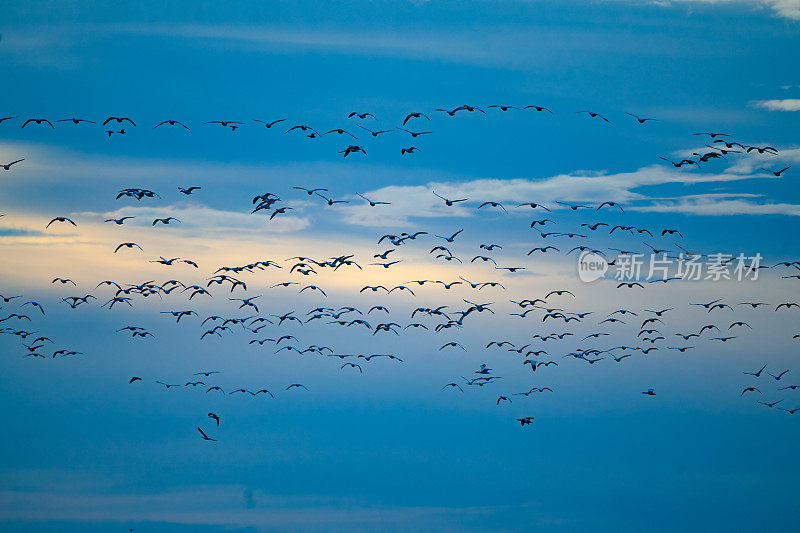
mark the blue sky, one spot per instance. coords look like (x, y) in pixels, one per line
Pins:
(389, 449)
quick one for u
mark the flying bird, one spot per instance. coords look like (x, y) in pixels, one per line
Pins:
(204, 436)
(61, 219)
(7, 166)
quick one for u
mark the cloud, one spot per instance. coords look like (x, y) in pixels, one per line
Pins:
(787, 104)
(19, 232)
(783, 8)
(410, 202)
(222, 505)
(720, 205)
(754, 162)
(493, 46)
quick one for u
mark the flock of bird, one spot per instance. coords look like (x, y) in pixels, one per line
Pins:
(580, 333)
(720, 143)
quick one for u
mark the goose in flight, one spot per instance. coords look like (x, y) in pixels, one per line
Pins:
(7, 166)
(171, 123)
(372, 203)
(302, 127)
(373, 133)
(493, 204)
(559, 293)
(449, 203)
(127, 245)
(712, 135)
(61, 219)
(203, 435)
(610, 204)
(165, 221)
(340, 131)
(510, 269)
(352, 149)
(706, 305)
(414, 134)
(533, 205)
(452, 237)
(225, 123)
(38, 121)
(776, 173)
(353, 365)
(593, 114)
(310, 192)
(333, 202)
(269, 124)
(573, 207)
(756, 374)
(405, 121)
(537, 108)
(452, 345)
(119, 120)
(640, 120)
(678, 164)
(543, 249)
(118, 221)
(501, 107)
(761, 149)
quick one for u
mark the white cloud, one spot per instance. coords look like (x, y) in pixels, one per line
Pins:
(409, 202)
(784, 8)
(720, 205)
(787, 104)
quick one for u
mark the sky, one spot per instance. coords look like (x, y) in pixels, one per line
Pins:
(388, 445)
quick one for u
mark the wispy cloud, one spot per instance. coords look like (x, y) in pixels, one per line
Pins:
(786, 104)
(227, 506)
(410, 202)
(783, 8)
(720, 205)
(495, 46)
(19, 232)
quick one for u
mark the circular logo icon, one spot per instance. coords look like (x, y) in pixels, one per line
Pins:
(591, 266)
